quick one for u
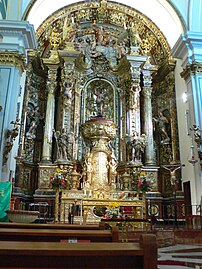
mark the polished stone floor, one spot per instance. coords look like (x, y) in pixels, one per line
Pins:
(180, 257)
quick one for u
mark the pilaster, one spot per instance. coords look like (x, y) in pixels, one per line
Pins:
(50, 111)
(189, 50)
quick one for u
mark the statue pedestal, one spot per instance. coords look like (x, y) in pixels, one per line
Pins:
(99, 165)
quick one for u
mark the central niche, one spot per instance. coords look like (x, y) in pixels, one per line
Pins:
(99, 100)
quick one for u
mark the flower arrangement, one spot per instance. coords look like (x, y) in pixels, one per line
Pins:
(58, 180)
(113, 205)
(112, 212)
(143, 185)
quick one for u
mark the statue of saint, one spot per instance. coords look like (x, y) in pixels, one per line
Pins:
(62, 144)
(121, 50)
(69, 30)
(138, 144)
(162, 123)
(33, 118)
(112, 165)
(87, 167)
(100, 102)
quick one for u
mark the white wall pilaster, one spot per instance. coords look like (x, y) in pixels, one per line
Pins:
(188, 50)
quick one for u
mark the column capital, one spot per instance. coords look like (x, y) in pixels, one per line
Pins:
(54, 61)
(135, 73)
(147, 91)
(147, 81)
(147, 71)
(17, 36)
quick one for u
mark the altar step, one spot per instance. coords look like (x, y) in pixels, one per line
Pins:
(169, 237)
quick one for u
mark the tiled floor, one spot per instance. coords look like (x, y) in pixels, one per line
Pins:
(190, 256)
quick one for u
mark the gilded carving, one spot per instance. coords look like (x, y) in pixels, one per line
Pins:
(98, 128)
(12, 58)
(44, 178)
(143, 32)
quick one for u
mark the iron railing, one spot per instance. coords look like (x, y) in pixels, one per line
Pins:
(168, 217)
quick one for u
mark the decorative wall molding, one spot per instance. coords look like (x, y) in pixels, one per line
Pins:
(191, 69)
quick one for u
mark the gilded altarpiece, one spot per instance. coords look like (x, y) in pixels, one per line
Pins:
(106, 110)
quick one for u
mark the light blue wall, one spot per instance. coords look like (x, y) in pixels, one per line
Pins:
(17, 37)
(14, 10)
(195, 16)
(10, 87)
(3, 8)
(5, 74)
(197, 98)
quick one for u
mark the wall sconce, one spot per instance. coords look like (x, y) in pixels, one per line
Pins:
(192, 159)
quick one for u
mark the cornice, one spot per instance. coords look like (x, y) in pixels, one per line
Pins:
(165, 69)
(22, 30)
(188, 48)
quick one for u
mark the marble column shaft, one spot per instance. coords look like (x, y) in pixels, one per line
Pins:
(76, 121)
(148, 126)
(50, 111)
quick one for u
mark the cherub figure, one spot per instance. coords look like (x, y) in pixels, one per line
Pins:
(68, 90)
